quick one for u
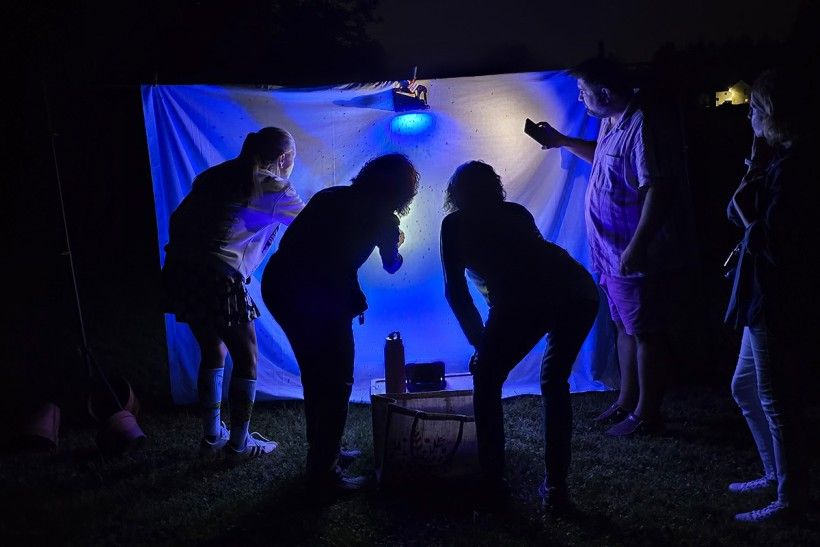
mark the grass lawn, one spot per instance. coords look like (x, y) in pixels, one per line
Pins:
(661, 491)
(666, 490)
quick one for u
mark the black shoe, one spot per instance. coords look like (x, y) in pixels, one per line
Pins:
(335, 484)
(633, 425)
(612, 415)
(347, 456)
(350, 484)
(555, 501)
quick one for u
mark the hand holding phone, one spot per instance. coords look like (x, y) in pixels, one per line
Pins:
(762, 152)
(543, 133)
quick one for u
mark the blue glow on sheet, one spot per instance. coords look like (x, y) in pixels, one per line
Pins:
(337, 129)
(414, 123)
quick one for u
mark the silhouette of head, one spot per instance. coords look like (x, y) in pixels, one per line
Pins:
(474, 184)
(390, 180)
(270, 148)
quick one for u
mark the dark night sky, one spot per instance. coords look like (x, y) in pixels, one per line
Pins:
(266, 42)
(459, 35)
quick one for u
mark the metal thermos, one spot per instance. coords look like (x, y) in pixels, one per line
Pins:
(394, 364)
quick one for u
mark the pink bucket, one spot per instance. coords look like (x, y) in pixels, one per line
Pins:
(119, 434)
(101, 404)
(41, 430)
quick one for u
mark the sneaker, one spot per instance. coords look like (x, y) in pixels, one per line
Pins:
(752, 486)
(633, 425)
(347, 456)
(614, 414)
(209, 449)
(555, 501)
(775, 511)
(333, 485)
(256, 446)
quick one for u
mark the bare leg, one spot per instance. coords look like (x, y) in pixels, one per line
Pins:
(628, 365)
(241, 342)
(211, 347)
(652, 353)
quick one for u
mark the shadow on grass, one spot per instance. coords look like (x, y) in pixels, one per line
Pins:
(285, 515)
(448, 513)
(668, 490)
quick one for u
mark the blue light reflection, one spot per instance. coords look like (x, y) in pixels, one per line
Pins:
(413, 123)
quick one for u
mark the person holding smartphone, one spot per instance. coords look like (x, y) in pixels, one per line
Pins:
(773, 300)
(639, 233)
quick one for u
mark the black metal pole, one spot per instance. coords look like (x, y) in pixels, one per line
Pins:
(90, 363)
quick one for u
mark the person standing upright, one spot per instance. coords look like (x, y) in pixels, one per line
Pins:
(635, 208)
(774, 300)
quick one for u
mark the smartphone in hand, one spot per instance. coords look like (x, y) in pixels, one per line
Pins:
(762, 153)
(538, 133)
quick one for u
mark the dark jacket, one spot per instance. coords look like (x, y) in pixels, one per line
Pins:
(314, 271)
(775, 286)
(512, 264)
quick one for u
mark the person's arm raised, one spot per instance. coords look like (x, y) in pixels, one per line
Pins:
(582, 148)
(391, 239)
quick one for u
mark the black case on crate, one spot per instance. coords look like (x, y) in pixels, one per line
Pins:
(424, 376)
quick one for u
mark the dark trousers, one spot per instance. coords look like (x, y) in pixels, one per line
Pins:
(323, 347)
(509, 335)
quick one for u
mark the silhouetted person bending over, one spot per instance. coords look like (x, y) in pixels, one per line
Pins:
(310, 285)
(534, 288)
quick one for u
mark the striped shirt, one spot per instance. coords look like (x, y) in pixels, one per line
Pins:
(625, 165)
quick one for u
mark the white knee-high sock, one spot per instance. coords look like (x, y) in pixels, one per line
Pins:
(242, 395)
(209, 386)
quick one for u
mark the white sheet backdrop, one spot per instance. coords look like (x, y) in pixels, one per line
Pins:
(337, 129)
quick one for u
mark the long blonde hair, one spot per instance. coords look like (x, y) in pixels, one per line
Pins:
(782, 98)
